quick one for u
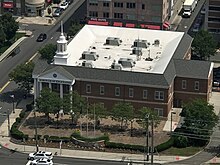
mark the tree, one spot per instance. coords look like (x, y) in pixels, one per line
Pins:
(48, 52)
(74, 28)
(2, 36)
(204, 45)
(22, 75)
(199, 120)
(9, 24)
(48, 102)
(144, 111)
(123, 112)
(99, 111)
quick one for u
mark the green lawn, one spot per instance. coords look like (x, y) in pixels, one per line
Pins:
(8, 44)
(188, 151)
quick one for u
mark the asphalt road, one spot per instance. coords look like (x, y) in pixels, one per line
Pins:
(8, 157)
(186, 23)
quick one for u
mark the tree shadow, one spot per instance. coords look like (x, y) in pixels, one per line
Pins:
(12, 96)
(214, 150)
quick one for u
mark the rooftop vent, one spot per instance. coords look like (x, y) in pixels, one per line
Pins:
(113, 41)
(137, 51)
(88, 64)
(156, 42)
(116, 66)
(87, 55)
(140, 43)
(126, 62)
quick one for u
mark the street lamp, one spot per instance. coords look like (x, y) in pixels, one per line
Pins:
(13, 106)
(171, 120)
(72, 114)
(35, 123)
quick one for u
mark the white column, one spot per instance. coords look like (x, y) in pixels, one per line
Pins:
(40, 86)
(50, 86)
(35, 88)
(61, 90)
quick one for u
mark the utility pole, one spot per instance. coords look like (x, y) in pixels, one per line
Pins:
(36, 135)
(8, 123)
(94, 120)
(147, 136)
(152, 141)
(87, 122)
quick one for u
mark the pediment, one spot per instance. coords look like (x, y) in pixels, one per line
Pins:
(57, 73)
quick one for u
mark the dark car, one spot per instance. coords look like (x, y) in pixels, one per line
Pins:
(41, 37)
(58, 12)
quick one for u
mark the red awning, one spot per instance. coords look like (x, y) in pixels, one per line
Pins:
(165, 26)
(8, 5)
(119, 24)
(98, 23)
(167, 23)
(154, 27)
(130, 25)
(143, 26)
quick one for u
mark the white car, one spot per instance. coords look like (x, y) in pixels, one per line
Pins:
(64, 5)
(40, 154)
(42, 161)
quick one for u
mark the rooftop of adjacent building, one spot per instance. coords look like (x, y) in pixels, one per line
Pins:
(128, 49)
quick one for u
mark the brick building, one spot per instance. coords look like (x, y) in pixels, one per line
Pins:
(149, 68)
(212, 18)
(152, 14)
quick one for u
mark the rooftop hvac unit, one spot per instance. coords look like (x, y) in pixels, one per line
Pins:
(116, 66)
(113, 41)
(87, 64)
(156, 42)
(87, 55)
(140, 43)
(126, 62)
(137, 51)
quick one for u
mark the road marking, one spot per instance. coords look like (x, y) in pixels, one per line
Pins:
(6, 84)
(32, 58)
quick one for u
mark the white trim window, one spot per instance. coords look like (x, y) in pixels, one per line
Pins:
(88, 88)
(159, 95)
(131, 92)
(159, 111)
(196, 85)
(117, 91)
(183, 84)
(145, 94)
(102, 90)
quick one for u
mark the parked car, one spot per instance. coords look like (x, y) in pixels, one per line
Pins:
(64, 5)
(216, 83)
(42, 161)
(57, 12)
(39, 155)
(41, 37)
(69, 1)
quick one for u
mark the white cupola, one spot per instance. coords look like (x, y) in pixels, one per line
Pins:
(61, 53)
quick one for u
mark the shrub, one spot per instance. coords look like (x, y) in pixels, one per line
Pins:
(180, 141)
(165, 145)
(15, 133)
(18, 120)
(38, 136)
(125, 146)
(46, 137)
(22, 114)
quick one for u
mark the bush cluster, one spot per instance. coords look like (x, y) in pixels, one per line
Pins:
(56, 138)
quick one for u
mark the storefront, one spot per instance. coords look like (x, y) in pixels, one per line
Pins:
(35, 7)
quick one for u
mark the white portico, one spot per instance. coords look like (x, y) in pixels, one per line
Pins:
(57, 79)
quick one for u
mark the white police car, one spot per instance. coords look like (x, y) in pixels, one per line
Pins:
(42, 161)
(40, 154)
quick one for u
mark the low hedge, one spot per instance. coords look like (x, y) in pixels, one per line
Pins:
(57, 139)
(86, 139)
(125, 146)
(166, 145)
(16, 134)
